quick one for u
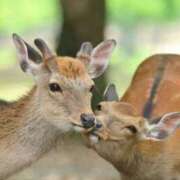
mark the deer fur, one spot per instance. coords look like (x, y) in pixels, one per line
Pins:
(137, 150)
(30, 126)
(153, 92)
(154, 89)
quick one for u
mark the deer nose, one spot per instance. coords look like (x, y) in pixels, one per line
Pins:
(88, 120)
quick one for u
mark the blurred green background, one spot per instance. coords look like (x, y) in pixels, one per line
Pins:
(141, 29)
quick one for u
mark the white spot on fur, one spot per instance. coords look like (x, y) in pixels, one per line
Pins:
(94, 139)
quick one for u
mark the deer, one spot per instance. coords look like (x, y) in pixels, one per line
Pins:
(137, 149)
(58, 103)
(154, 89)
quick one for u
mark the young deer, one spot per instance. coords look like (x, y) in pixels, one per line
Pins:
(138, 151)
(59, 102)
(154, 89)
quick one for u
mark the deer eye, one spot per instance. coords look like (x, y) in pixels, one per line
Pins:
(132, 129)
(92, 88)
(54, 87)
(99, 107)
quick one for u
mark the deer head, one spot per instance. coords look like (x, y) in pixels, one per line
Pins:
(64, 84)
(121, 128)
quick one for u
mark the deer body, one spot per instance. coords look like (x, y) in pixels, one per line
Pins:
(156, 82)
(59, 102)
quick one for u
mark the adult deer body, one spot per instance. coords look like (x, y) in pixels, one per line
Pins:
(136, 149)
(59, 102)
(154, 89)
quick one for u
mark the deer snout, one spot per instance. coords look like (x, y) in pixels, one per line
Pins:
(87, 120)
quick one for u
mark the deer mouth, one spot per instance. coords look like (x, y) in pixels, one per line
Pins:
(103, 135)
(97, 133)
(81, 128)
(101, 132)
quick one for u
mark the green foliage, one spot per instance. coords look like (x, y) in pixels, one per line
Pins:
(136, 11)
(20, 15)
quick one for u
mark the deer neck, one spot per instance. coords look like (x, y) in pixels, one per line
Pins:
(24, 117)
(124, 159)
(25, 134)
(142, 156)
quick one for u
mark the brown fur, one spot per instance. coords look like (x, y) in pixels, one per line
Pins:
(10, 116)
(167, 98)
(135, 156)
(71, 68)
(30, 126)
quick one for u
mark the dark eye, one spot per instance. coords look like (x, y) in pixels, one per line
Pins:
(132, 128)
(54, 87)
(99, 107)
(92, 88)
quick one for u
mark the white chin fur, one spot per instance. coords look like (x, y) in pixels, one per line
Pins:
(94, 139)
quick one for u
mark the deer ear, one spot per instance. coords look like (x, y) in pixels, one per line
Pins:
(33, 54)
(85, 49)
(110, 93)
(100, 57)
(43, 47)
(22, 51)
(165, 127)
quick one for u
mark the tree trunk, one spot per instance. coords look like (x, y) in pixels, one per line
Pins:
(84, 20)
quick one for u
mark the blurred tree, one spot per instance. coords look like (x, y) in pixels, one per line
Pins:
(84, 20)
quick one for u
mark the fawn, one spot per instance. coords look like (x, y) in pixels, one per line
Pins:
(59, 101)
(156, 82)
(138, 150)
